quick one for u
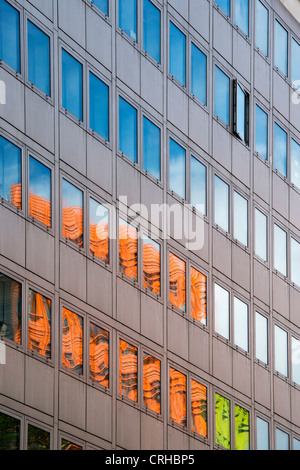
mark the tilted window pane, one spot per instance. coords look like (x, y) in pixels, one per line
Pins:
(102, 4)
(262, 28)
(127, 17)
(262, 434)
(280, 248)
(38, 58)
(128, 254)
(99, 355)
(295, 163)
(241, 99)
(177, 282)
(99, 231)
(295, 360)
(39, 192)
(71, 85)
(151, 30)
(242, 428)
(261, 235)
(39, 324)
(221, 204)
(177, 397)
(281, 48)
(127, 129)
(37, 439)
(199, 408)
(222, 94)
(151, 148)
(151, 265)
(295, 262)
(198, 73)
(222, 311)
(151, 383)
(198, 296)
(295, 62)
(177, 168)
(241, 324)
(177, 54)
(224, 5)
(296, 444)
(9, 432)
(222, 421)
(128, 363)
(67, 445)
(261, 335)
(72, 341)
(282, 440)
(280, 149)
(99, 106)
(240, 228)
(72, 216)
(261, 132)
(281, 356)
(10, 308)
(241, 15)
(10, 35)
(10, 173)
(198, 185)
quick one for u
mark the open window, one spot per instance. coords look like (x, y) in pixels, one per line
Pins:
(240, 112)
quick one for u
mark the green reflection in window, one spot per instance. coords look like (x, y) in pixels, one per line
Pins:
(38, 439)
(67, 445)
(222, 421)
(241, 428)
(9, 432)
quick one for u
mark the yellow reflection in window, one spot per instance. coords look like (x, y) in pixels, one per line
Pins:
(39, 324)
(99, 355)
(241, 428)
(128, 250)
(151, 265)
(222, 421)
(199, 408)
(177, 282)
(198, 296)
(128, 370)
(177, 400)
(72, 341)
(151, 382)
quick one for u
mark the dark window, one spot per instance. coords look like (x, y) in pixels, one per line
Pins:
(10, 308)
(9, 432)
(37, 439)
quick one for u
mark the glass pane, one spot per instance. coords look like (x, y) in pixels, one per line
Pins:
(177, 401)
(37, 439)
(99, 106)
(198, 185)
(128, 256)
(295, 61)
(262, 436)
(261, 236)
(177, 169)
(222, 311)
(295, 262)
(99, 231)
(261, 132)
(241, 15)
(127, 17)
(262, 27)
(279, 250)
(242, 432)
(127, 129)
(71, 84)
(295, 163)
(10, 35)
(38, 58)
(198, 296)
(72, 341)
(99, 355)
(261, 344)
(222, 84)
(225, 5)
(282, 440)
(10, 308)
(296, 444)
(177, 54)
(295, 360)
(281, 48)
(241, 113)
(240, 218)
(72, 217)
(199, 408)
(9, 432)
(102, 4)
(198, 73)
(222, 421)
(151, 148)
(39, 192)
(281, 359)
(221, 204)
(280, 149)
(151, 383)
(151, 265)
(10, 173)
(128, 370)
(241, 324)
(177, 287)
(39, 324)
(67, 445)
(151, 30)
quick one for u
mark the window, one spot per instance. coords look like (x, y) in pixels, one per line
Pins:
(10, 35)
(72, 213)
(177, 168)
(261, 235)
(127, 129)
(240, 323)
(198, 296)
(295, 260)
(281, 48)
(224, 5)
(221, 311)
(198, 408)
(262, 28)
(38, 58)
(281, 348)
(151, 30)
(198, 185)
(39, 324)
(241, 426)
(128, 254)
(39, 192)
(222, 95)
(99, 231)
(241, 15)
(72, 341)
(280, 250)
(9, 432)
(280, 149)
(99, 106)
(151, 148)
(261, 337)
(151, 383)
(222, 421)
(241, 112)
(198, 73)
(262, 434)
(37, 439)
(72, 85)
(68, 445)
(10, 308)
(177, 282)
(99, 355)
(296, 444)
(295, 61)
(10, 173)
(295, 163)
(282, 440)
(128, 363)
(177, 397)
(127, 17)
(151, 265)
(295, 360)
(102, 4)
(221, 204)
(240, 227)
(261, 132)
(177, 54)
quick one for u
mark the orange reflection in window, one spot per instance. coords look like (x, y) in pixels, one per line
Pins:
(72, 224)
(128, 250)
(72, 345)
(198, 295)
(39, 329)
(99, 241)
(128, 370)
(199, 408)
(16, 195)
(177, 282)
(151, 382)
(151, 266)
(40, 209)
(177, 396)
(99, 355)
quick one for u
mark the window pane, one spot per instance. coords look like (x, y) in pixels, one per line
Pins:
(281, 48)
(102, 4)
(151, 29)
(38, 58)
(225, 5)
(279, 250)
(280, 149)
(177, 169)
(128, 256)
(9, 432)
(71, 85)
(151, 265)
(151, 383)
(198, 185)
(241, 324)
(240, 218)
(177, 54)
(295, 162)
(72, 217)
(177, 286)
(222, 84)
(177, 402)
(37, 439)
(198, 296)
(261, 344)
(128, 370)
(295, 262)
(127, 129)
(10, 173)
(261, 235)
(72, 341)
(262, 436)
(99, 355)
(241, 99)
(262, 27)
(99, 112)
(151, 148)
(241, 15)
(10, 308)
(127, 17)
(242, 432)
(99, 231)
(281, 364)
(221, 204)
(67, 445)
(282, 440)
(261, 132)
(10, 35)
(199, 408)
(39, 324)
(295, 61)
(222, 311)
(295, 360)
(39, 192)
(296, 444)
(222, 421)
(198, 73)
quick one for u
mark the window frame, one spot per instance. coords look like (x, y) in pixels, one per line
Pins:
(178, 142)
(268, 32)
(182, 30)
(257, 311)
(69, 179)
(229, 110)
(257, 256)
(23, 162)
(192, 41)
(18, 74)
(99, 324)
(23, 305)
(145, 115)
(263, 109)
(156, 4)
(79, 313)
(237, 84)
(120, 153)
(277, 372)
(90, 195)
(91, 70)
(281, 23)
